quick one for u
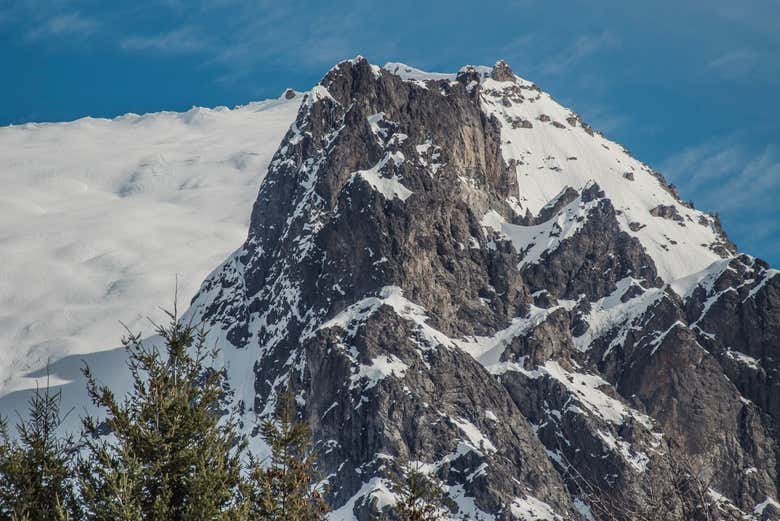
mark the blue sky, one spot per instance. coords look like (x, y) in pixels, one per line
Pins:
(690, 87)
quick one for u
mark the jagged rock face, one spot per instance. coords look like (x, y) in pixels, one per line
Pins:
(592, 261)
(735, 314)
(442, 283)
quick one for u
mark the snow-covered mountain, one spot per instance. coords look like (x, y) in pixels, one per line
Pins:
(455, 270)
(97, 218)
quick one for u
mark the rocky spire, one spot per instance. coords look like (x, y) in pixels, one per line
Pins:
(502, 72)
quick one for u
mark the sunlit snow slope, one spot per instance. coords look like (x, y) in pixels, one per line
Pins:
(98, 217)
(551, 149)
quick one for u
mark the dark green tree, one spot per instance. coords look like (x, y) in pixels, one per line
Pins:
(418, 496)
(285, 489)
(36, 467)
(168, 451)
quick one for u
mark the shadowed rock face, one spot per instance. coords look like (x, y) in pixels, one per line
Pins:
(411, 331)
(591, 262)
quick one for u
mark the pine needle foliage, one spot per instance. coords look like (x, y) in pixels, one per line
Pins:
(171, 453)
(418, 496)
(36, 466)
(285, 490)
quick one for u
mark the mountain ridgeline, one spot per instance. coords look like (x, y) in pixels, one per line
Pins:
(455, 272)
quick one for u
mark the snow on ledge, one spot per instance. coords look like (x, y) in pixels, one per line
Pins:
(529, 508)
(475, 436)
(405, 72)
(389, 187)
(381, 367)
(376, 488)
(768, 502)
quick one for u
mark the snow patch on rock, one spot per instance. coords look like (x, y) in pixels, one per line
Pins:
(389, 187)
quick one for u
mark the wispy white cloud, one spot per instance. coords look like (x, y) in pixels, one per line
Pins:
(736, 63)
(582, 48)
(746, 64)
(697, 166)
(741, 182)
(231, 35)
(539, 58)
(282, 36)
(182, 40)
(756, 184)
(62, 25)
(760, 20)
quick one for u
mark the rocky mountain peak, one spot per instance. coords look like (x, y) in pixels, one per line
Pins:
(502, 72)
(453, 269)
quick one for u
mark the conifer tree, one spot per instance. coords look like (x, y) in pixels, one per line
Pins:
(171, 453)
(36, 471)
(418, 496)
(286, 489)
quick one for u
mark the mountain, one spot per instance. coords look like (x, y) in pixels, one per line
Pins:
(98, 216)
(455, 271)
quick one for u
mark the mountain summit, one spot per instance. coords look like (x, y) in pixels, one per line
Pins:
(450, 271)
(454, 270)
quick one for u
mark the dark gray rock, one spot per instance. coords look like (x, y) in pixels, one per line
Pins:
(502, 72)
(667, 212)
(593, 260)
(555, 206)
(359, 298)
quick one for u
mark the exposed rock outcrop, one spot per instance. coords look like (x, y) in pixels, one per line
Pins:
(432, 292)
